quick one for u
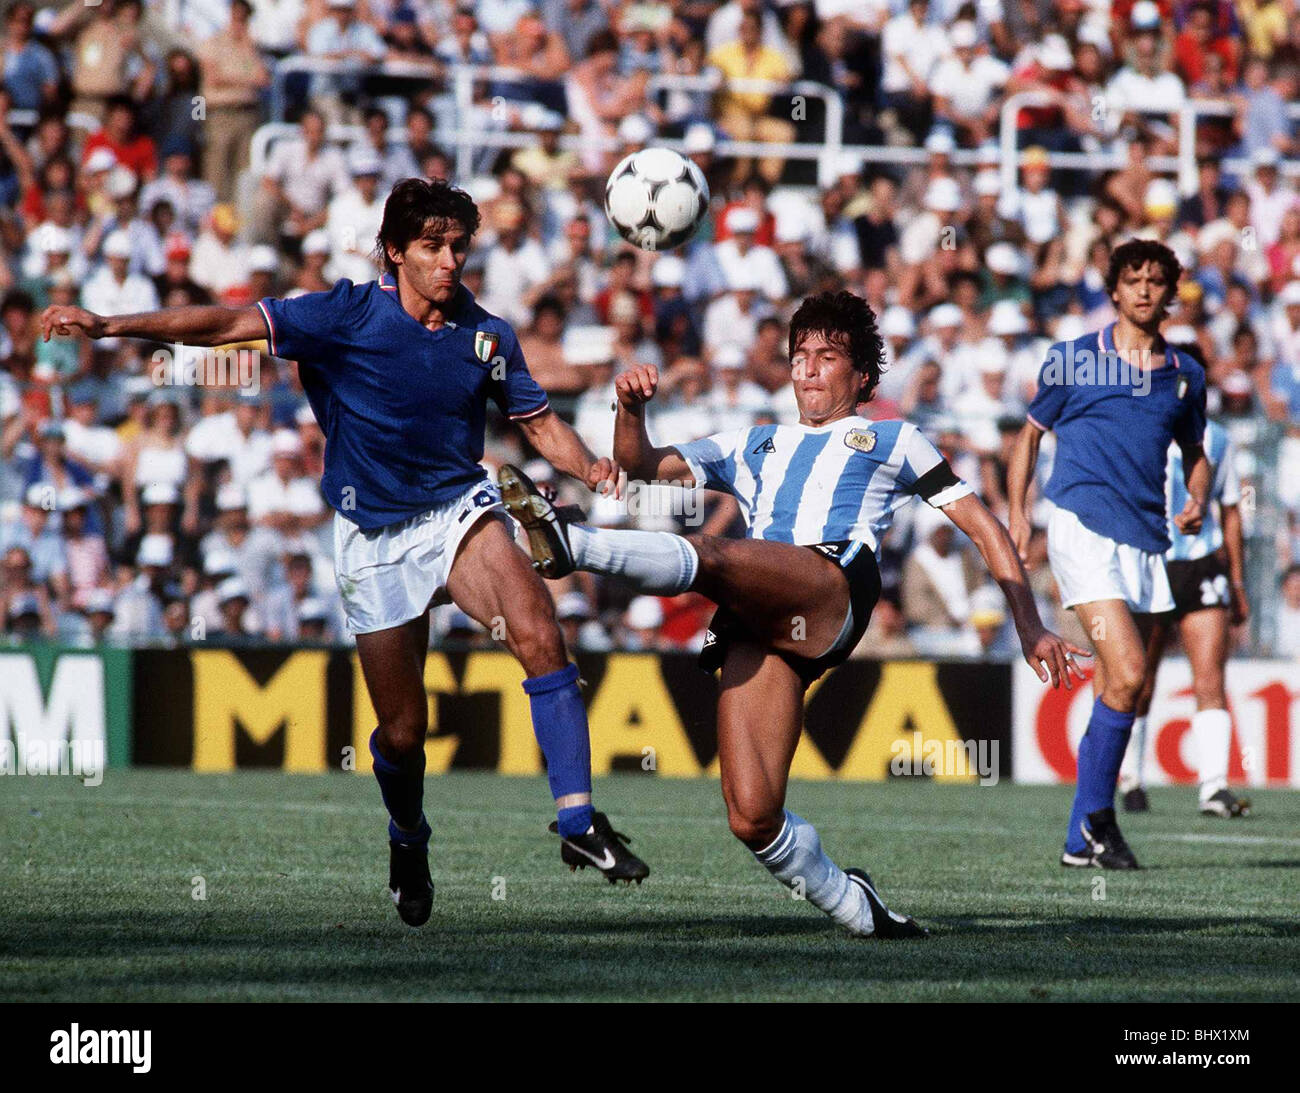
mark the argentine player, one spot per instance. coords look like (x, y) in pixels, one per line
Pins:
(795, 596)
(398, 372)
(1116, 400)
(1207, 579)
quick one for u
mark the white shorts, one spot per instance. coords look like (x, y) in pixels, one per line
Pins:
(390, 575)
(1089, 567)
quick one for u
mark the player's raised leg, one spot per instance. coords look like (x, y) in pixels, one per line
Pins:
(1120, 638)
(392, 662)
(1205, 640)
(760, 714)
(492, 579)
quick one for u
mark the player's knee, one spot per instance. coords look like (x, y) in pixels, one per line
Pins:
(710, 551)
(404, 733)
(1125, 684)
(755, 824)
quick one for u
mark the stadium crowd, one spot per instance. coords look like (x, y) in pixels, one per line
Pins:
(134, 507)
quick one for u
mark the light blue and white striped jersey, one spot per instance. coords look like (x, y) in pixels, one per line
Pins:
(1225, 488)
(804, 485)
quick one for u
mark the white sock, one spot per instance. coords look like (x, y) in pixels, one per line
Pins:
(1212, 737)
(795, 858)
(654, 562)
(1130, 771)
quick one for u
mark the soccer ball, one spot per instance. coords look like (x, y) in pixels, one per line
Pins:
(656, 198)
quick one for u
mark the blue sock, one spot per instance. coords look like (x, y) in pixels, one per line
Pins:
(560, 724)
(1101, 751)
(402, 786)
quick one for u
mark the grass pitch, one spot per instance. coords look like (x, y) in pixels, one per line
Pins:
(97, 891)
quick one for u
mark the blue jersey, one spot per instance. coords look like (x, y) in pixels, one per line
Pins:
(1225, 488)
(803, 484)
(403, 407)
(1112, 436)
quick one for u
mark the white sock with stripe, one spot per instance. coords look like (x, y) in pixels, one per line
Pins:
(795, 858)
(653, 562)
(1212, 737)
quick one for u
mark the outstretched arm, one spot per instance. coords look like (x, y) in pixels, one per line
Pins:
(558, 443)
(198, 326)
(1047, 654)
(1020, 472)
(632, 447)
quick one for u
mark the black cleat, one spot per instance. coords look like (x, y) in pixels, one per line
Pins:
(603, 848)
(888, 925)
(1106, 846)
(1135, 800)
(409, 883)
(1226, 805)
(545, 523)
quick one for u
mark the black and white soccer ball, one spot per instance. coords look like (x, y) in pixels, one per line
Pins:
(656, 198)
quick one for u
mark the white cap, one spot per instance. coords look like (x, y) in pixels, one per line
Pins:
(304, 415)
(535, 116)
(232, 588)
(263, 259)
(1145, 15)
(943, 195)
(231, 496)
(945, 315)
(644, 613)
(52, 239)
(316, 242)
(101, 159)
(117, 244)
(987, 184)
(635, 129)
(219, 562)
(729, 355)
(940, 142)
(792, 225)
(286, 442)
(38, 493)
(160, 493)
(897, 322)
(927, 521)
(1160, 194)
(1006, 318)
(1265, 156)
(741, 219)
(699, 138)
(1054, 53)
(121, 182)
(589, 344)
(1003, 258)
(71, 497)
(155, 550)
(313, 609)
(573, 605)
(993, 360)
(669, 271)
(744, 278)
(1290, 294)
(364, 161)
(1069, 327)
(963, 35)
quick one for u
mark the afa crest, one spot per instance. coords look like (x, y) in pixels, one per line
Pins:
(860, 440)
(485, 344)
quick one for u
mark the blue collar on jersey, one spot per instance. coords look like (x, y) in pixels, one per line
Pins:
(464, 298)
(1106, 340)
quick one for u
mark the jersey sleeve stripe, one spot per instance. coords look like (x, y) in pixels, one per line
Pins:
(270, 328)
(531, 413)
(1036, 424)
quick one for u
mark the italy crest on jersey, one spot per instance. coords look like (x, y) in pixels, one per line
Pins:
(485, 344)
(861, 440)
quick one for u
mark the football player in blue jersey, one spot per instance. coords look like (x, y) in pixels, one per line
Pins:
(1115, 401)
(398, 372)
(794, 597)
(1207, 579)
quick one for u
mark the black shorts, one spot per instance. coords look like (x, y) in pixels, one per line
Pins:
(1199, 584)
(858, 562)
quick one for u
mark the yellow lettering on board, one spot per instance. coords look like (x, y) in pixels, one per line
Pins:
(907, 690)
(226, 696)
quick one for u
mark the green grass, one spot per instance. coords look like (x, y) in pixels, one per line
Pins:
(95, 896)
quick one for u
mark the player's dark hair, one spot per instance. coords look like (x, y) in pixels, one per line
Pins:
(413, 205)
(1137, 253)
(847, 319)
